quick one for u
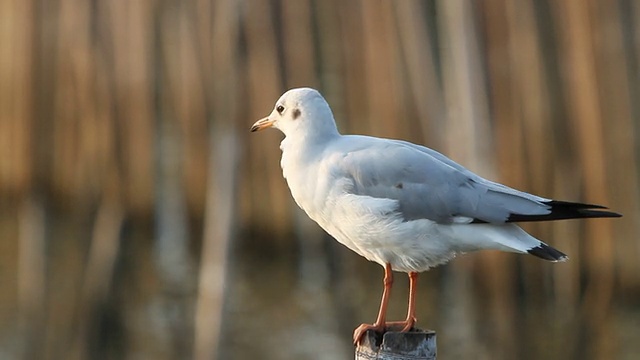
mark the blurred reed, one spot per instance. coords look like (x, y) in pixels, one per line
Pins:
(127, 174)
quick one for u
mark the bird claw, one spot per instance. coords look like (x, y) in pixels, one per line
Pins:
(359, 332)
(403, 326)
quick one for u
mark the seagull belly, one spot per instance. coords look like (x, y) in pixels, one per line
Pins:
(374, 229)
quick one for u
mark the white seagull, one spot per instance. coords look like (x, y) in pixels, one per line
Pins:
(405, 206)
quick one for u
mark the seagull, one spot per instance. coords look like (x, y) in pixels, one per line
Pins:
(404, 206)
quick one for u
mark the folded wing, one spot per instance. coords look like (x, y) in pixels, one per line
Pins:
(428, 185)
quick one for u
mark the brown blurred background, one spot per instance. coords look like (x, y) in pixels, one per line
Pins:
(139, 219)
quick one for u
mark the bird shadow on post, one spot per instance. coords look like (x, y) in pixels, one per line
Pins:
(415, 344)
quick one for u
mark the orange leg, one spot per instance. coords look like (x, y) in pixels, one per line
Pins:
(379, 325)
(411, 311)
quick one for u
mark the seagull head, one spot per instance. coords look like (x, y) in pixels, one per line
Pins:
(300, 112)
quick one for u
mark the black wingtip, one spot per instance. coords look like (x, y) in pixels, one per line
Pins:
(546, 252)
(562, 210)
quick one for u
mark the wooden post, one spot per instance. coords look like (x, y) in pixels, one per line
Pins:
(416, 344)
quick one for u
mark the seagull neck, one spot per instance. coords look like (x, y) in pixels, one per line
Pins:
(303, 146)
(311, 139)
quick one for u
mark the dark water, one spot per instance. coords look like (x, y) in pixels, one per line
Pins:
(295, 298)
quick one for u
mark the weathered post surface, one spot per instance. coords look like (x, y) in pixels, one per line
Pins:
(416, 344)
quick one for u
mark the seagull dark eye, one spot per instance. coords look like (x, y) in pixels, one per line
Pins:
(280, 109)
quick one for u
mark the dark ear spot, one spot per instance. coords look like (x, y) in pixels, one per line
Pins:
(296, 113)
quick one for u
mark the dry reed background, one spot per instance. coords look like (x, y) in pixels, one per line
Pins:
(140, 219)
